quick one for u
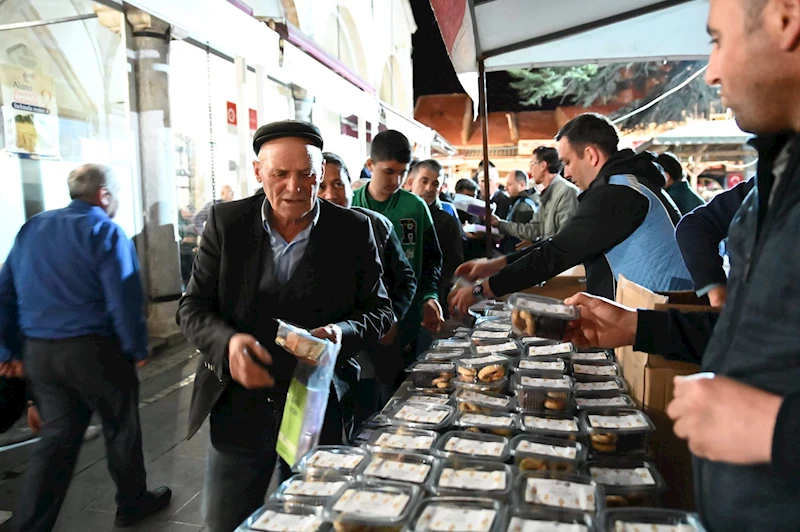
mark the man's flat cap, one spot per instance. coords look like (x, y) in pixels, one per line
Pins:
(287, 128)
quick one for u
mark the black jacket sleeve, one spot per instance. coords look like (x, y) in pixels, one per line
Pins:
(675, 335)
(785, 439)
(399, 276)
(605, 217)
(431, 265)
(198, 314)
(449, 235)
(701, 231)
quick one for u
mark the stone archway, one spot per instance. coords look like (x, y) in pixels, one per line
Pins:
(393, 88)
(342, 40)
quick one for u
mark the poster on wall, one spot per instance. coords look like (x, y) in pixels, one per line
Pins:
(30, 113)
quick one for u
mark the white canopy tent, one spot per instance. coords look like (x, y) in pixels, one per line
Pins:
(488, 35)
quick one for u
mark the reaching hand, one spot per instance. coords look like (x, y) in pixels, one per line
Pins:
(329, 332)
(34, 421)
(432, 315)
(480, 268)
(494, 221)
(522, 244)
(717, 296)
(603, 323)
(13, 369)
(242, 348)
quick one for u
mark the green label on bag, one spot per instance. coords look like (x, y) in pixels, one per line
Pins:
(292, 423)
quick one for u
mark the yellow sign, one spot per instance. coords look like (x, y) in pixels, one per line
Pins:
(30, 113)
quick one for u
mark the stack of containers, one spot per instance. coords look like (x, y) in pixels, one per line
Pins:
(500, 428)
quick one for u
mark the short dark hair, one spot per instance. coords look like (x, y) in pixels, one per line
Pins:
(671, 165)
(332, 158)
(591, 128)
(466, 184)
(431, 164)
(390, 145)
(550, 156)
(520, 176)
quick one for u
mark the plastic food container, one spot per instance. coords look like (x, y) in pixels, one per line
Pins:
(443, 355)
(313, 489)
(542, 519)
(528, 341)
(339, 459)
(481, 478)
(428, 398)
(490, 346)
(627, 482)
(369, 505)
(591, 356)
(608, 388)
(500, 423)
(432, 375)
(460, 444)
(446, 344)
(499, 313)
(540, 453)
(559, 490)
(416, 415)
(564, 350)
(363, 434)
(402, 439)
(616, 431)
(493, 324)
(595, 371)
(649, 520)
(541, 316)
(398, 466)
(482, 402)
(555, 425)
(286, 517)
(491, 334)
(484, 369)
(537, 394)
(457, 514)
(541, 367)
(479, 309)
(300, 342)
(602, 401)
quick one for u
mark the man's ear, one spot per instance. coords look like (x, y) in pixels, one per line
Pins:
(256, 170)
(104, 197)
(370, 165)
(787, 12)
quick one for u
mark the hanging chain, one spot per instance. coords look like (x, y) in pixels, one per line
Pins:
(211, 143)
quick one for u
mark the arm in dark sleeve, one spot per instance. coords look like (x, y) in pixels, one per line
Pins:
(122, 288)
(9, 317)
(452, 249)
(372, 316)
(701, 231)
(602, 221)
(399, 275)
(198, 310)
(428, 286)
(675, 335)
(785, 439)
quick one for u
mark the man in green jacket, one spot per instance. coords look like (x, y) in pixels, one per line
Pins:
(677, 187)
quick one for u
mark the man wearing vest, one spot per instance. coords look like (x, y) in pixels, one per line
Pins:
(620, 226)
(524, 206)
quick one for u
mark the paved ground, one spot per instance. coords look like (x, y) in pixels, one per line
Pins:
(171, 459)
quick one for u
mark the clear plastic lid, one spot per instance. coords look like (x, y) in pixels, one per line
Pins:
(484, 401)
(493, 324)
(499, 313)
(591, 356)
(558, 490)
(480, 308)
(444, 344)
(362, 435)
(313, 488)
(557, 425)
(520, 382)
(625, 475)
(594, 402)
(300, 342)
(416, 415)
(461, 444)
(403, 439)
(527, 341)
(563, 349)
(335, 458)
(612, 386)
(457, 514)
(428, 398)
(497, 422)
(595, 371)
(460, 476)
(398, 466)
(373, 503)
(543, 306)
(491, 334)
(541, 316)
(649, 520)
(499, 386)
(543, 367)
(542, 447)
(442, 355)
(483, 369)
(278, 516)
(488, 346)
(616, 421)
(525, 518)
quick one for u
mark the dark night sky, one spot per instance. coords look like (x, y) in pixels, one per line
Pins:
(434, 74)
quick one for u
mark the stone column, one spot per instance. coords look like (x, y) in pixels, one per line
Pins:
(150, 112)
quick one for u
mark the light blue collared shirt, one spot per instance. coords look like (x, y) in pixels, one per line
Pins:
(287, 255)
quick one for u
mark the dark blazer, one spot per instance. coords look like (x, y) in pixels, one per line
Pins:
(338, 281)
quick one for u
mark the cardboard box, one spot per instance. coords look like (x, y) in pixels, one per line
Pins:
(650, 378)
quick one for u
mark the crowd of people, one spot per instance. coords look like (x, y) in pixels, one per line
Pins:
(370, 268)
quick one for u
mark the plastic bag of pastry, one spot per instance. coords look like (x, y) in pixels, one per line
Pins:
(480, 478)
(276, 516)
(649, 520)
(300, 342)
(541, 316)
(456, 514)
(523, 518)
(627, 482)
(540, 453)
(372, 506)
(462, 444)
(616, 431)
(559, 490)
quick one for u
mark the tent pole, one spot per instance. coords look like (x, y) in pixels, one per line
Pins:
(484, 111)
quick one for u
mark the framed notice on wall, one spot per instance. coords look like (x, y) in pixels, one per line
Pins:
(30, 113)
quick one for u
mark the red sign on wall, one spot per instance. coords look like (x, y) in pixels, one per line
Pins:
(253, 119)
(231, 110)
(734, 179)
